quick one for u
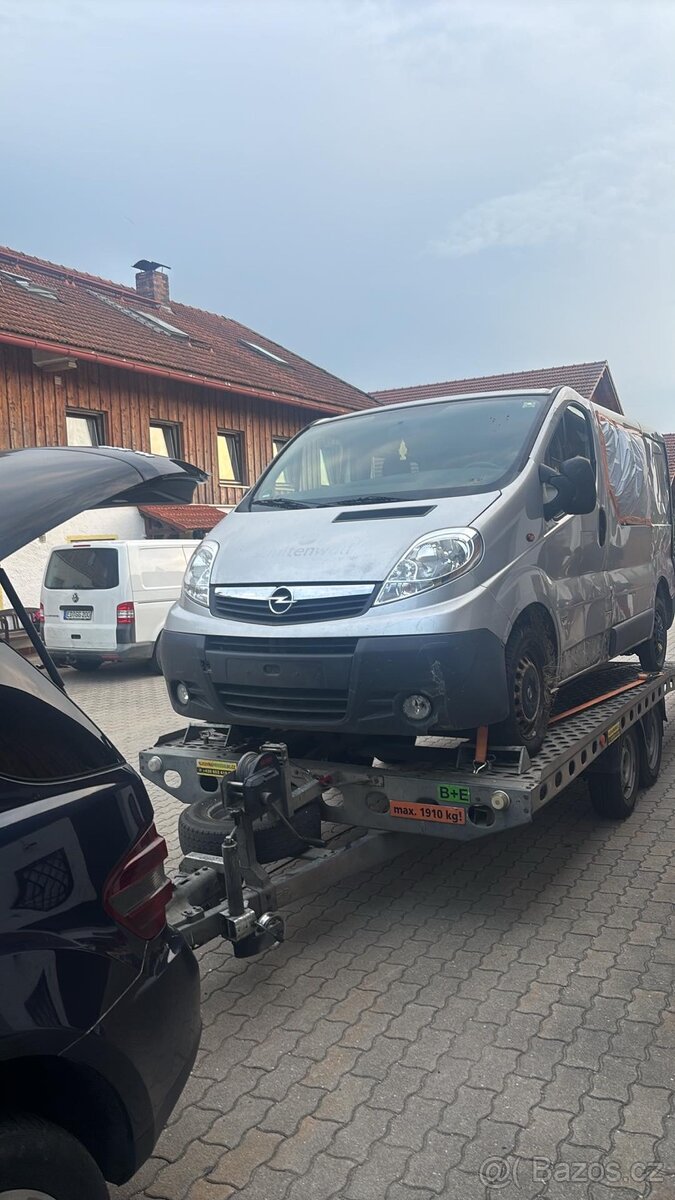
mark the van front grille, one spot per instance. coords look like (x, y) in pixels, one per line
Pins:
(277, 705)
(318, 608)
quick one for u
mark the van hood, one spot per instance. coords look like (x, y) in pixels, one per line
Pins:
(43, 486)
(331, 545)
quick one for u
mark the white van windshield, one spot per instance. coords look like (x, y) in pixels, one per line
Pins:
(444, 448)
(84, 567)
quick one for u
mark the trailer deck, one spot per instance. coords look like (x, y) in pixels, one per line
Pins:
(443, 789)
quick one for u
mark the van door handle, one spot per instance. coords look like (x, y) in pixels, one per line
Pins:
(602, 526)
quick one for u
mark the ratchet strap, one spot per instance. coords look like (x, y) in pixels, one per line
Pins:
(480, 755)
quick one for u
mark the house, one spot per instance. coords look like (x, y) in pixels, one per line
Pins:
(84, 361)
(592, 380)
(87, 362)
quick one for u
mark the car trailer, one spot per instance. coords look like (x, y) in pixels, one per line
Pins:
(608, 726)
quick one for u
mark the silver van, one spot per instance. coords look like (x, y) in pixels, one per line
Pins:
(428, 568)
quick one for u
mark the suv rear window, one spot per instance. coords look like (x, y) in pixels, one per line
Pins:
(44, 737)
(94, 568)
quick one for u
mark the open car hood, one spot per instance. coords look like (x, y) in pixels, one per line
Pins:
(41, 487)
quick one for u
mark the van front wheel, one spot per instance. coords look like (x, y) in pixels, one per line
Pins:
(529, 671)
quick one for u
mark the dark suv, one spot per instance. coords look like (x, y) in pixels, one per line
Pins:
(99, 998)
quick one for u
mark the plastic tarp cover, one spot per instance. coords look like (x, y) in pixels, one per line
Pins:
(627, 471)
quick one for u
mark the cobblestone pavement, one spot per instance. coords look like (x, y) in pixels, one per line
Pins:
(476, 1022)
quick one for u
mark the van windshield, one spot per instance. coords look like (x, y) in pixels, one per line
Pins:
(93, 568)
(449, 447)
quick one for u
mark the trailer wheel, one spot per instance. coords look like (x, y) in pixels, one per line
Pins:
(203, 826)
(651, 749)
(614, 792)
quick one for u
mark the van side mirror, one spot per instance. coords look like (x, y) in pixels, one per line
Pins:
(575, 488)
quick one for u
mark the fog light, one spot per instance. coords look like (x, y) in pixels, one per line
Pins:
(417, 707)
(154, 763)
(182, 694)
(499, 801)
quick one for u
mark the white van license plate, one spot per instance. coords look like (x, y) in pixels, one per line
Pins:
(78, 614)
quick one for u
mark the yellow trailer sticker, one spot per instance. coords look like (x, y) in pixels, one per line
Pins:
(215, 766)
(613, 732)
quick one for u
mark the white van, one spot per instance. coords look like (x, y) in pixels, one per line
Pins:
(107, 601)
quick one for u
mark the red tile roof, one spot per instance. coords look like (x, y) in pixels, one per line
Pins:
(591, 380)
(669, 439)
(185, 517)
(88, 316)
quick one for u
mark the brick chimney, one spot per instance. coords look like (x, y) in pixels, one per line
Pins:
(151, 281)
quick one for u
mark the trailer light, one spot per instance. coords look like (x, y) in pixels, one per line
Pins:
(155, 763)
(417, 707)
(500, 801)
(182, 693)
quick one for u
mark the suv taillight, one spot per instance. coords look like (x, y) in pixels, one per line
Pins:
(137, 891)
(125, 613)
(39, 615)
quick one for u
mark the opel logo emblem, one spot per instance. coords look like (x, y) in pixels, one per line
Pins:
(280, 601)
(75, 597)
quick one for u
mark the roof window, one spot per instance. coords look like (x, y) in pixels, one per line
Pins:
(265, 353)
(164, 326)
(150, 320)
(27, 285)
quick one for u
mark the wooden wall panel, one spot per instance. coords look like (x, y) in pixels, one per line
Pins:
(33, 407)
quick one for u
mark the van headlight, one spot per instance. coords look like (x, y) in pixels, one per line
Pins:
(431, 560)
(197, 578)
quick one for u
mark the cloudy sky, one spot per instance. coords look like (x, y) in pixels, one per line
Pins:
(403, 191)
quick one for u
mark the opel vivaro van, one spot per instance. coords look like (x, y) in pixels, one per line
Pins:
(430, 567)
(107, 601)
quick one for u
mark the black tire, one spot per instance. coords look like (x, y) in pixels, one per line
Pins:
(530, 666)
(37, 1156)
(651, 746)
(652, 654)
(614, 792)
(88, 664)
(203, 826)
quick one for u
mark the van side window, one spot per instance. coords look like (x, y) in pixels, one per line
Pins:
(572, 438)
(627, 469)
(43, 736)
(161, 566)
(660, 481)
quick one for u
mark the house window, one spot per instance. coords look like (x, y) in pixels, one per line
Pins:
(84, 429)
(165, 439)
(230, 458)
(278, 444)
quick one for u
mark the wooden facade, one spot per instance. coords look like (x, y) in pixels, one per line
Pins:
(34, 404)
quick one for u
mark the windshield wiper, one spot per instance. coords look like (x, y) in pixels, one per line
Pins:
(340, 502)
(282, 502)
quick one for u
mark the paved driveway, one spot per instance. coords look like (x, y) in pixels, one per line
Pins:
(488, 1021)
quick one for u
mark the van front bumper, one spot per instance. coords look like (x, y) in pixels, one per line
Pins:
(354, 686)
